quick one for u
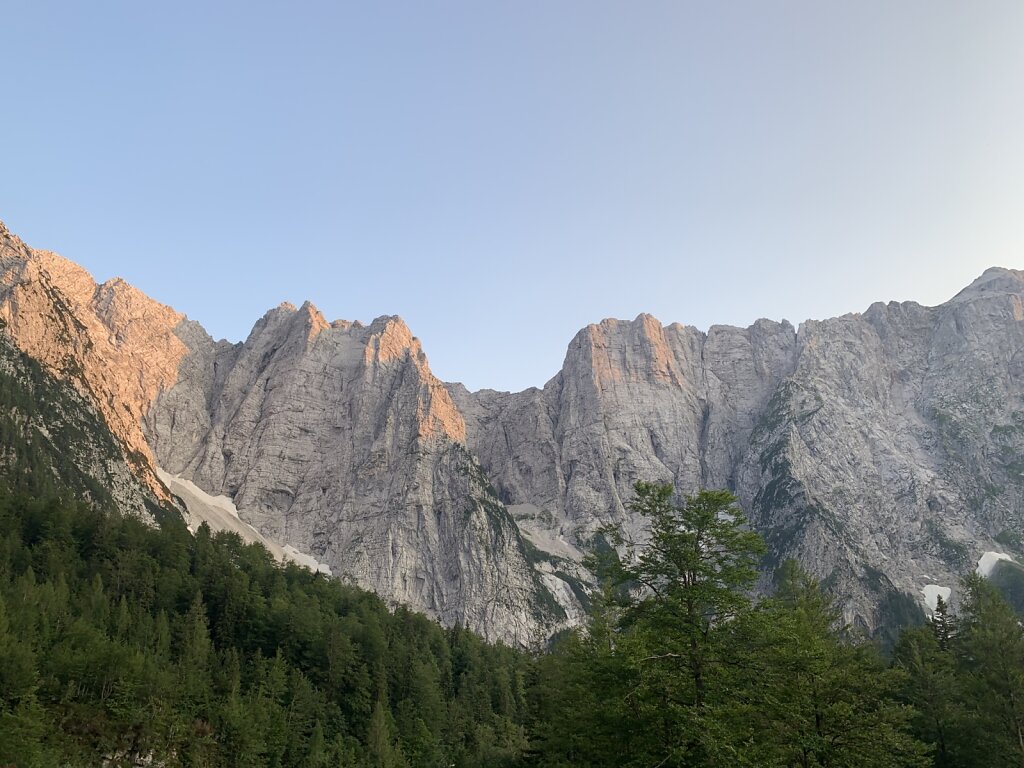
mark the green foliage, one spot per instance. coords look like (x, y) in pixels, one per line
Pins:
(680, 667)
(810, 697)
(965, 677)
(121, 642)
(990, 655)
(1008, 579)
(693, 576)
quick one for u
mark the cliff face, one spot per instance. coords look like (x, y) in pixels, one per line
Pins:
(53, 440)
(114, 344)
(335, 440)
(885, 450)
(633, 401)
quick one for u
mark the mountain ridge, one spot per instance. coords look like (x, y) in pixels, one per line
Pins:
(854, 443)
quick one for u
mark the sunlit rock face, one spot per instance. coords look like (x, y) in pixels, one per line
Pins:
(336, 439)
(110, 340)
(885, 450)
(333, 439)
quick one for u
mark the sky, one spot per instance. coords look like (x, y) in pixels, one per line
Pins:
(501, 174)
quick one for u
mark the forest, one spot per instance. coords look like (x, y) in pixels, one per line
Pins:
(125, 644)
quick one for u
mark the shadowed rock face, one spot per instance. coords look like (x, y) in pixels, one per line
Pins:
(883, 449)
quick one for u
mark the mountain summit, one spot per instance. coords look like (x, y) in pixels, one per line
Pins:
(884, 449)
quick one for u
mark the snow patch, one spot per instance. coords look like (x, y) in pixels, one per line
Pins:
(988, 562)
(221, 514)
(307, 561)
(932, 593)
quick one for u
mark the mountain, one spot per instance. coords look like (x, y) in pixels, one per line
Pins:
(53, 442)
(884, 449)
(331, 440)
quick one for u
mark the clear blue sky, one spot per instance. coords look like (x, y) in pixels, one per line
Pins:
(503, 173)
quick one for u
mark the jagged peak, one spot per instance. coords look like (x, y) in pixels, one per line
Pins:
(314, 320)
(390, 338)
(994, 280)
(307, 319)
(311, 313)
(117, 302)
(383, 321)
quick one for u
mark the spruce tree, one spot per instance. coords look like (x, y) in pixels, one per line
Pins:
(990, 648)
(688, 582)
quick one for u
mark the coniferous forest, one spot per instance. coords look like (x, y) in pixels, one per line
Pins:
(126, 644)
(122, 644)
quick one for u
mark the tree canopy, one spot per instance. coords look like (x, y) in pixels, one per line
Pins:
(122, 643)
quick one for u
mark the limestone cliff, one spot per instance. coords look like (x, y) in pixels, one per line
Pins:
(330, 439)
(883, 449)
(337, 439)
(112, 342)
(54, 441)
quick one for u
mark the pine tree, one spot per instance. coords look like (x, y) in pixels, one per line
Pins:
(990, 648)
(815, 699)
(689, 582)
(382, 748)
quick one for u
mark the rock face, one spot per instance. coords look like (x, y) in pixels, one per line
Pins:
(633, 401)
(113, 343)
(885, 449)
(53, 440)
(332, 440)
(336, 439)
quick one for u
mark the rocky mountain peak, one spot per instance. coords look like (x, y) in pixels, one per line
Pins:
(114, 343)
(389, 342)
(126, 310)
(390, 339)
(993, 281)
(619, 351)
(882, 449)
(313, 321)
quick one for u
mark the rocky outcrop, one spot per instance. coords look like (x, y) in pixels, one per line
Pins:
(881, 449)
(634, 401)
(53, 441)
(337, 440)
(331, 440)
(112, 342)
